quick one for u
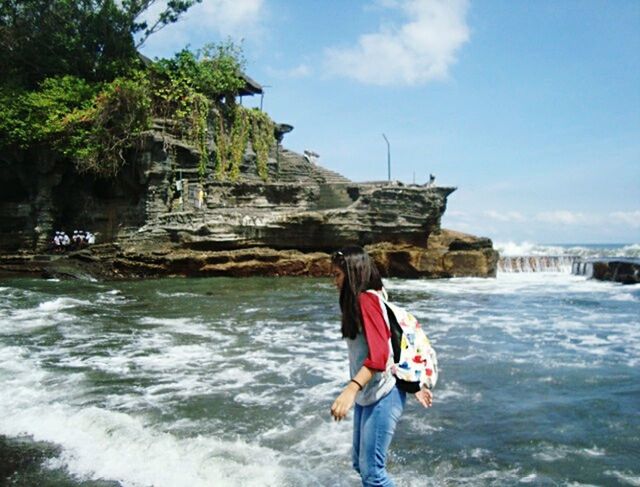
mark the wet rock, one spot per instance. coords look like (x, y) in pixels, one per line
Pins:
(435, 260)
(623, 271)
(22, 464)
(438, 259)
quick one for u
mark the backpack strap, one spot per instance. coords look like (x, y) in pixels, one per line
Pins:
(392, 322)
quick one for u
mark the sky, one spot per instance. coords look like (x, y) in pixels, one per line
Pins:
(531, 109)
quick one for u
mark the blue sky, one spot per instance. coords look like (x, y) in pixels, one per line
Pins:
(531, 109)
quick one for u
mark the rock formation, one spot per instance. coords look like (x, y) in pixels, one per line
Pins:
(625, 271)
(158, 217)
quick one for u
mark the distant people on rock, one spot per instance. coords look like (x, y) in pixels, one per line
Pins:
(432, 181)
(199, 200)
(55, 244)
(66, 241)
(86, 238)
(60, 241)
(311, 156)
(79, 239)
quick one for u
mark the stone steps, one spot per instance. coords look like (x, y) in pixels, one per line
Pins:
(294, 167)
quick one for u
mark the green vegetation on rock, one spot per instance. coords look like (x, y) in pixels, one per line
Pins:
(84, 93)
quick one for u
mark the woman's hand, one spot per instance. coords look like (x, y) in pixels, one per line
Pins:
(344, 402)
(424, 397)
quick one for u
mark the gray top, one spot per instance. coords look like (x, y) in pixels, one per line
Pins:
(382, 382)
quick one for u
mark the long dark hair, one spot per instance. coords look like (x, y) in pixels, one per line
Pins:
(360, 274)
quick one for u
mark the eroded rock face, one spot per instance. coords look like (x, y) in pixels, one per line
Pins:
(112, 261)
(158, 217)
(159, 197)
(442, 257)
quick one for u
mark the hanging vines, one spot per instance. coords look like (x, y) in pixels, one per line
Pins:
(94, 123)
(262, 140)
(197, 91)
(232, 136)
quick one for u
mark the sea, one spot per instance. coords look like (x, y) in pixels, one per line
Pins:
(229, 381)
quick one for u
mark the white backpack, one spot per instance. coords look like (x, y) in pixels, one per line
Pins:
(415, 364)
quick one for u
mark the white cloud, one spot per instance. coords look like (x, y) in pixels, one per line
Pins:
(208, 20)
(564, 217)
(420, 50)
(227, 16)
(457, 213)
(630, 218)
(505, 216)
(299, 71)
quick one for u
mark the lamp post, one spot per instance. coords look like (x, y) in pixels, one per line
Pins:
(388, 158)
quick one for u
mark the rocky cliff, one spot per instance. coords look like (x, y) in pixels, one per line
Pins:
(159, 217)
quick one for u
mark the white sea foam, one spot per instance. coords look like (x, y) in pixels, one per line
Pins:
(45, 315)
(551, 453)
(514, 249)
(625, 297)
(452, 391)
(62, 303)
(178, 295)
(529, 479)
(625, 477)
(160, 366)
(594, 452)
(112, 297)
(102, 444)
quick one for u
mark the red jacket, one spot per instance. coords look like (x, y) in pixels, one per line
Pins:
(375, 330)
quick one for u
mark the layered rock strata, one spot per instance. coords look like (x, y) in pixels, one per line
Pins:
(442, 257)
(160, 217)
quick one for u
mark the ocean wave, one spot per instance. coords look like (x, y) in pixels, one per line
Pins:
(100, 444)
(62, 303)
(514, 249)
(625, 477)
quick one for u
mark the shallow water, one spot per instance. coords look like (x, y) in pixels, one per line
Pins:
(220, 381)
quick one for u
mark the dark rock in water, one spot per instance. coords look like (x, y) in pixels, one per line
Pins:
(22, 465)
(626, 272)
(623, 270)
(19, 457)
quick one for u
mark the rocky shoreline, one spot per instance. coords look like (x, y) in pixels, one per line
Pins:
(447, 254)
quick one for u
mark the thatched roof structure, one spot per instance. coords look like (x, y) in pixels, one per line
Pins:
(250, 88)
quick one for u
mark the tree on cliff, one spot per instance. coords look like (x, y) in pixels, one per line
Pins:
(90, 39)
(72, 84)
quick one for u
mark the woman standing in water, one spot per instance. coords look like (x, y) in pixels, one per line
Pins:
(378, 402)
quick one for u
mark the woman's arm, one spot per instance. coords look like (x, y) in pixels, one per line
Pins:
(376, 334)
(347, 397)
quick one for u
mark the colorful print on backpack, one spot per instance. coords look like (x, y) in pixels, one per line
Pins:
(415, 364)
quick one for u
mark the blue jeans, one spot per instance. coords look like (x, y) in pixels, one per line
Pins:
(373, 428)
